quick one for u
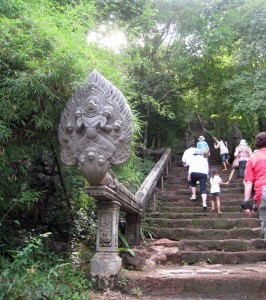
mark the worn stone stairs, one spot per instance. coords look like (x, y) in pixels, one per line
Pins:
(221, 256)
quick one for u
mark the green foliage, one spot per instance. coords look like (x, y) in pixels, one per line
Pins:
(133, 172)
(136, 291)
(145, 231)
(5, 132)
(214, 65)
(43, 58)
(34, 273)
(124, 242)
(123, 282)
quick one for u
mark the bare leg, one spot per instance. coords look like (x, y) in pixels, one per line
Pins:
(224, 164)
(193, 192)
(204, 199)
(212, 204)
(218, 205)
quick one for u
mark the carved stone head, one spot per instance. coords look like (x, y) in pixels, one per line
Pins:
(95, 129)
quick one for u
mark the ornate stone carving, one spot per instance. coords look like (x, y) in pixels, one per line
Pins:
(106, 230)
(96, 129)
(133, 229)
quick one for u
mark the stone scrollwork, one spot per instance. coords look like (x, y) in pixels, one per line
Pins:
(106, 230)
(95, 129)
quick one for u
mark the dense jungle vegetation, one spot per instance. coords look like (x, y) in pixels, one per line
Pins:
(181, 58)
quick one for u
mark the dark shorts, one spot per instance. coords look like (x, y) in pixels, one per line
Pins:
(242, 168)
(224, 157)
(202, 178)
(215, 194)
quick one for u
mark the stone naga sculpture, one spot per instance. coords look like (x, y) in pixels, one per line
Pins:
(95, 129)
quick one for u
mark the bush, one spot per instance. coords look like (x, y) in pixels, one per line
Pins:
(33, 272)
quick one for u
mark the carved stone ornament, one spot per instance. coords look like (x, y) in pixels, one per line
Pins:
(95, 129)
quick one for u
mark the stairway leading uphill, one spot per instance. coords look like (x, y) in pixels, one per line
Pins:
(206, 236)
(221, 256)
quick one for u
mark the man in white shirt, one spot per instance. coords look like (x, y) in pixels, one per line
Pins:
(198, 171)
(187, 157)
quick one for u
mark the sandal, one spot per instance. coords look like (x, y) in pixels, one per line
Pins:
(211, 210)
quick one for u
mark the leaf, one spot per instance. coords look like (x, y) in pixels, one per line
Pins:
(129, 250)
(17, 222)
(46, 234)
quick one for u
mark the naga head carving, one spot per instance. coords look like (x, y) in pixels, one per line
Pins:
(95, 129)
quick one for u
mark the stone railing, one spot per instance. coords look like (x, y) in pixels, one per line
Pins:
(110, 202)
(95, 132)
(146, 190)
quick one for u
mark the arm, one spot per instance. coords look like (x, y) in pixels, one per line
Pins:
(248, 189)
(247, 207)
(184, 159)
(223, 183)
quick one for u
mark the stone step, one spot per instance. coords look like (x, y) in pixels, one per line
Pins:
(186, 193)
(180, 186)
(183, 181)
(184, 173)
(206, 223)
(188, 203)
(185, 201)
(199, 209)
(221, 245)
(205, 234)
(179, 191)
(222, 257)
(171, 215)
(216, 282)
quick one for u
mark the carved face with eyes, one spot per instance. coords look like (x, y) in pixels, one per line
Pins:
(91, 153)
(101, 160)
(95, 100)
(117, 124)
(69, 127)
(108, 110)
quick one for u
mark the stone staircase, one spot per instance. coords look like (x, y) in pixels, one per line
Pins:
(221, 256)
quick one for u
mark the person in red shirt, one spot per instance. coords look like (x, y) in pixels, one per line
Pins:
(255, 175)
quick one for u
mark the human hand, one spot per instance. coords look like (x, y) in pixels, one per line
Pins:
(248, 211)
(247, 207)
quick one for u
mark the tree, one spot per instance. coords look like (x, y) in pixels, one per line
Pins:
(44, 57)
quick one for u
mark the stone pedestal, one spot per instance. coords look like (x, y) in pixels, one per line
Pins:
(133, 229)
(107, 262)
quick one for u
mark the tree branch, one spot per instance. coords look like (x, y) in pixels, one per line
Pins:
(213, 137)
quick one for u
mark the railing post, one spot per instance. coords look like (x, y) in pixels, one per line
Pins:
(133, 229)
(154, 202)
(170, 161)
(106, 262)
(162, 183)
(166, 169)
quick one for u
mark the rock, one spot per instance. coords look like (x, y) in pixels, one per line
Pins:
(164, 242)
(136, 262)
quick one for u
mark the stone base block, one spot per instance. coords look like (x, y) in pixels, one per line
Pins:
(105, 264)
